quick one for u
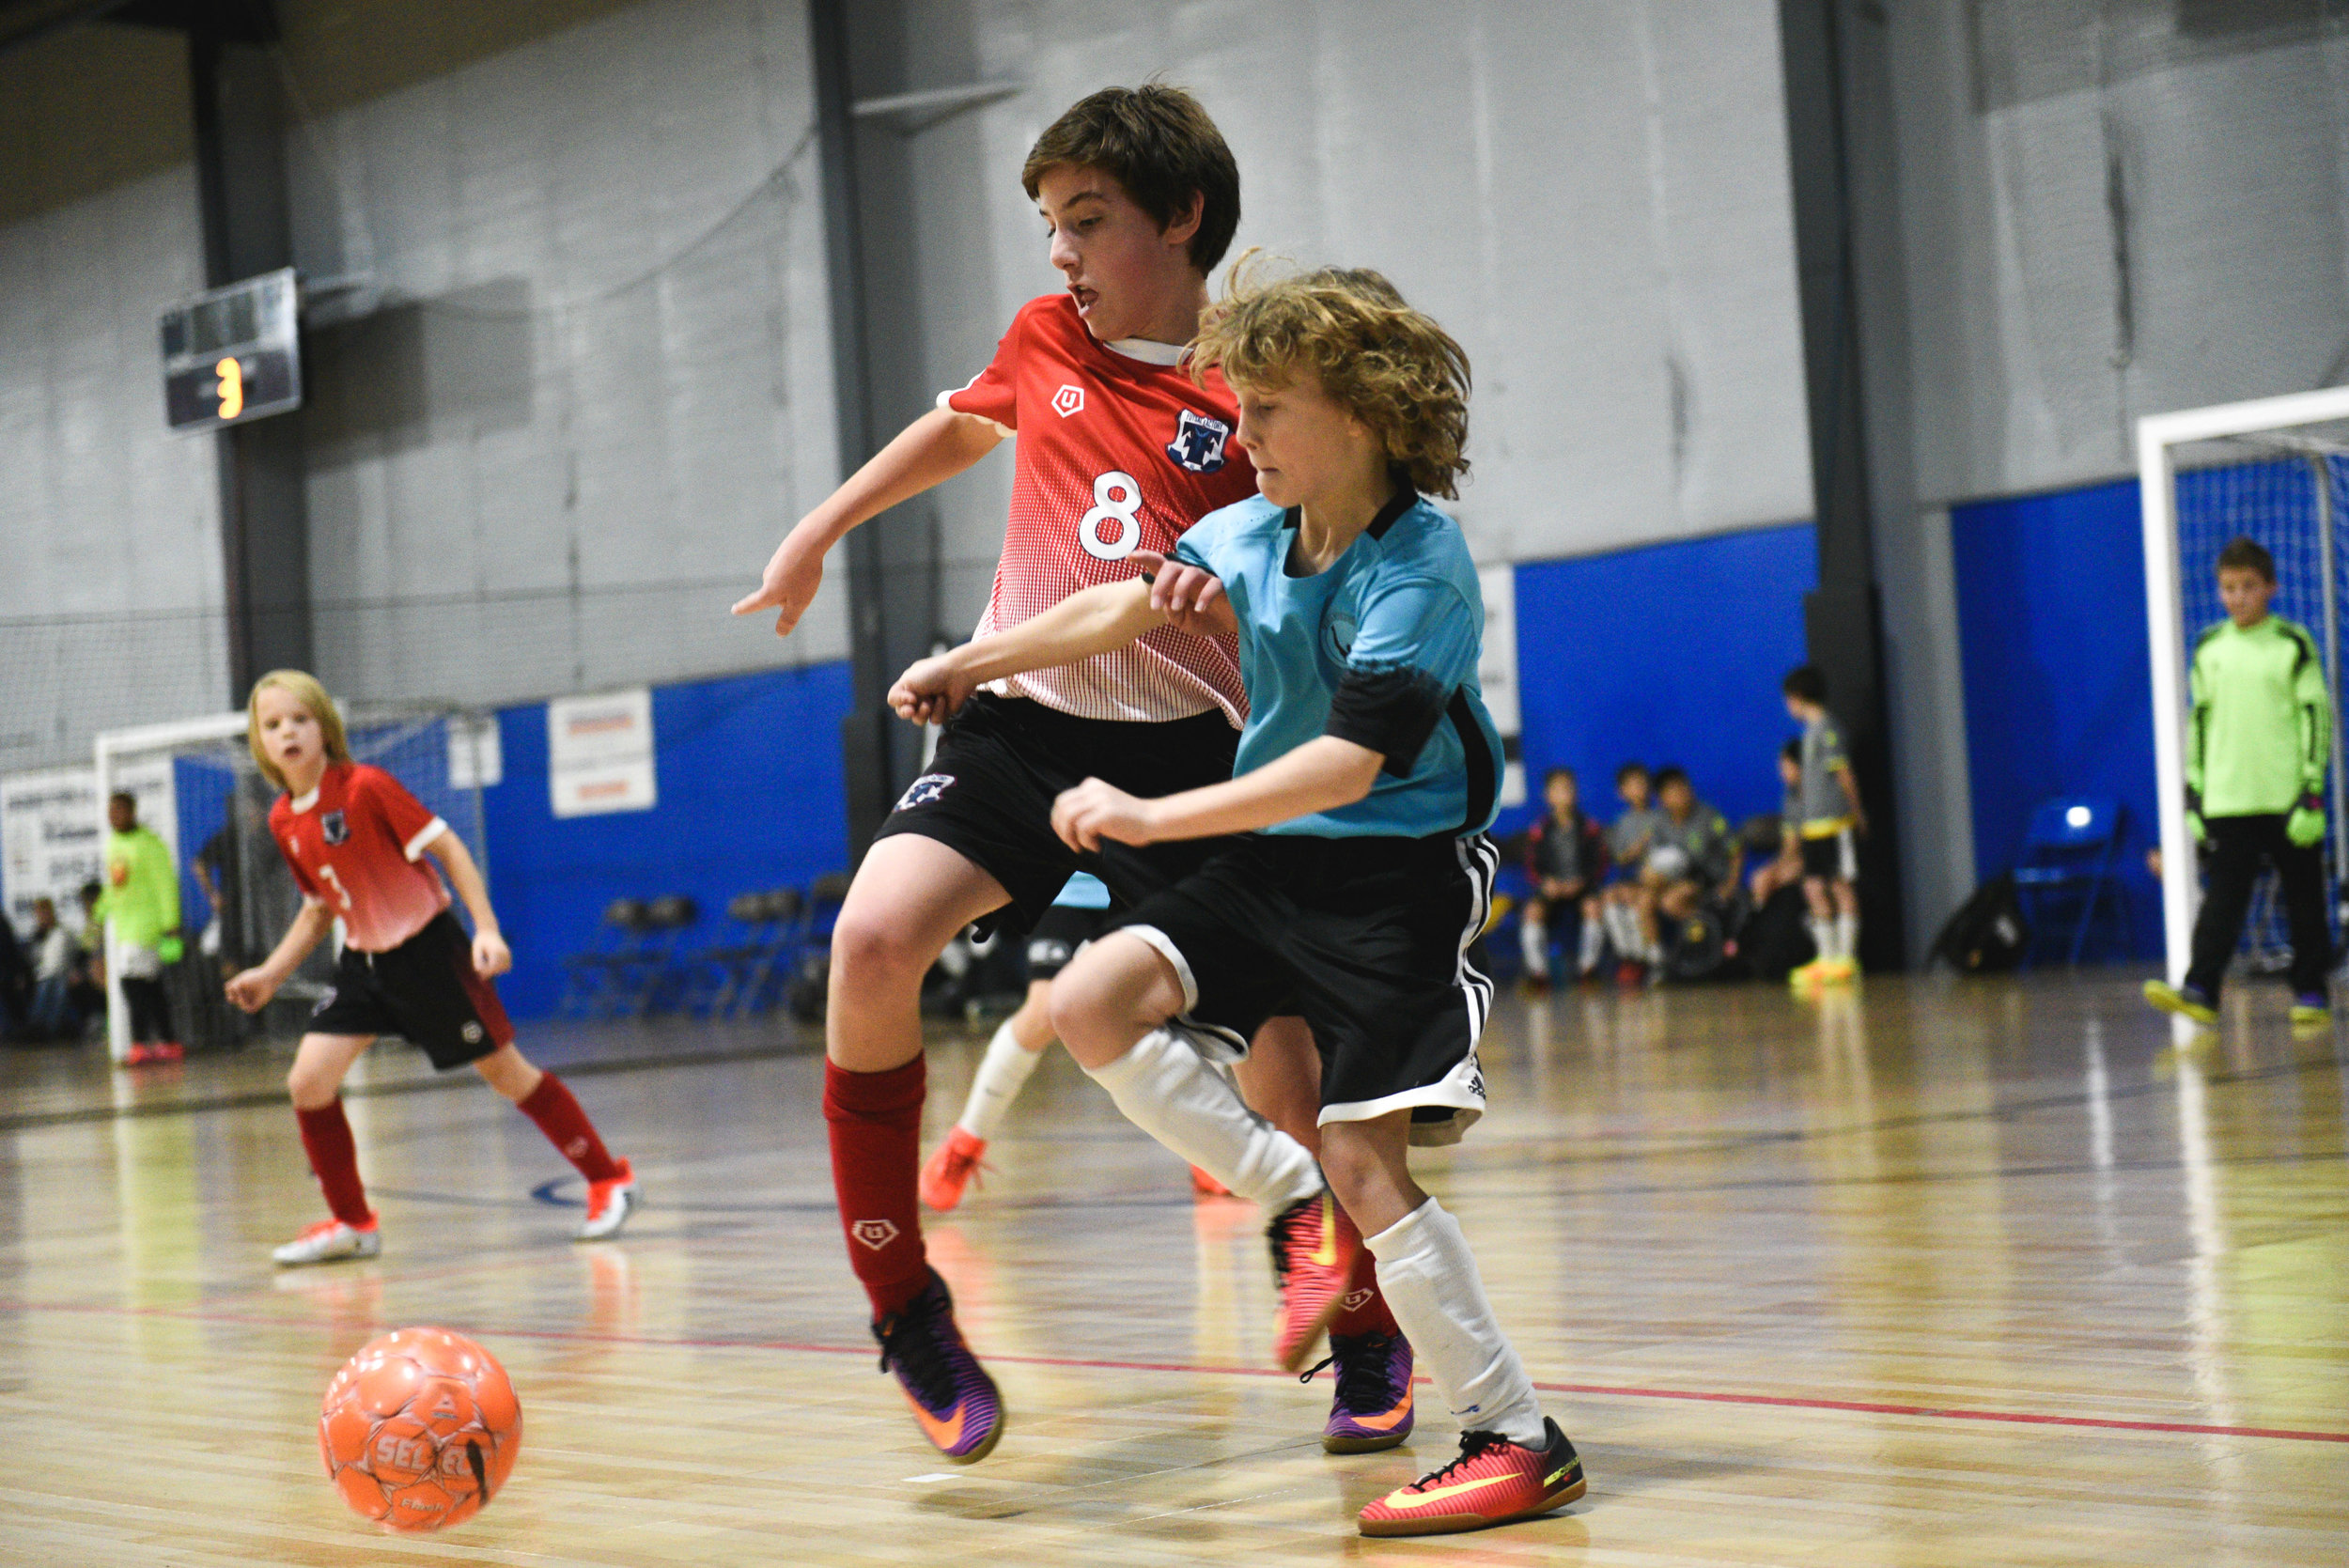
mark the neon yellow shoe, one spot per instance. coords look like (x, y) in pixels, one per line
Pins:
(1806, 976)
(2188, 1001)
(1837, 971)
(2310, 1011)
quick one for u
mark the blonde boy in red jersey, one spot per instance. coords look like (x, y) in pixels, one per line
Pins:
(356, 841)
(1119, 452)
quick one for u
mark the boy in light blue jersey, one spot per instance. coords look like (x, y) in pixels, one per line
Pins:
(1365, 782)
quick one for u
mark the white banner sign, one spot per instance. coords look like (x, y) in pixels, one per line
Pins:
(52, 841)
(599, 755)
(1496, 670)
(53, 836)
(476, 752)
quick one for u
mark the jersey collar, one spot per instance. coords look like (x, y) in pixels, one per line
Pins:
(304, 803)
(1146, 350)
(1404, 499)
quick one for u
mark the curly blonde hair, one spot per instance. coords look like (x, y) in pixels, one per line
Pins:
(1387, 365)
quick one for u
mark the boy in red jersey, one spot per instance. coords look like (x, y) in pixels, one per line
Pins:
(354, 840)
(1119, 452)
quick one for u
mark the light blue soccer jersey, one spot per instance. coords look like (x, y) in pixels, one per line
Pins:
(1380, 649)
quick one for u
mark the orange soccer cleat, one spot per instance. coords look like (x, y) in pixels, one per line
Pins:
(1494, 1481)
(952, 1165)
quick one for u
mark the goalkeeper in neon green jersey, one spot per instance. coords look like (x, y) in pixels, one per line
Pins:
(2256, 746)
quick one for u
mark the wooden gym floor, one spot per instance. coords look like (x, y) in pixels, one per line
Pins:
(1944, 1272)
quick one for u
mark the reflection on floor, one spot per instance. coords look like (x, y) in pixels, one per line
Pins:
(1941, 1272)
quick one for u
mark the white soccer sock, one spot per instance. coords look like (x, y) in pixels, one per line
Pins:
(1822, 935)
(1593, 936)
(1623, 929)
(1003, 1072)
(1847, 938)
(1166, 1088)
(1534, 942)
(1431, 1284)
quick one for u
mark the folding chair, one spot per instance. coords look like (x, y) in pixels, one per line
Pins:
(2068, 854)
(591, 980)
(654, 971)
(718, 973)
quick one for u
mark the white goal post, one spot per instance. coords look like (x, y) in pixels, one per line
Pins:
(2269, 430)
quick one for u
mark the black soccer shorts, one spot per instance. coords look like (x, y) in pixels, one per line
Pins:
(1833, 858)
(425, 990)
(1061, 930)
(1367, 938)
(1002, 761)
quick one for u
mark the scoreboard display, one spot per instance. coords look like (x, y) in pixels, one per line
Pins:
(232, 354)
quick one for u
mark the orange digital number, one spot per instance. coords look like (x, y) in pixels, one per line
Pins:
(231, 376)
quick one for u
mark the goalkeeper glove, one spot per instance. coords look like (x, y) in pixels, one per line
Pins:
(2306, 825)
(2194, 816)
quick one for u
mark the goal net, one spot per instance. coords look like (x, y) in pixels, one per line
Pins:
(2275, 470)
(197, 788)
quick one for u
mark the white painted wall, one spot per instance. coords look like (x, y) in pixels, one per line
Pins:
(110, 563)
(595, 388)
(1593, 198)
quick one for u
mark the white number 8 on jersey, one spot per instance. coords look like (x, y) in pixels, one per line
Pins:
(1116, 497)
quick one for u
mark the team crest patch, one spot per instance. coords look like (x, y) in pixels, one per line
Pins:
(1356, 1300)
(1198, 444)
(1068, 400)
(336, 826)
(471, 1032)
(928, 787)
(875, 1233)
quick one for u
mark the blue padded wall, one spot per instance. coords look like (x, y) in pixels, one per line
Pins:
(750, 796)
(1664, 653)
(2059, 697)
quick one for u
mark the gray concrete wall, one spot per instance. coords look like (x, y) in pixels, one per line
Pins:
(2114, 210)
(1593, 199)
(110, 563)
(587, 387)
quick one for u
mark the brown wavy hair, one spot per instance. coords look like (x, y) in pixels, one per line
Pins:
(1387, 365)
(1160, 146)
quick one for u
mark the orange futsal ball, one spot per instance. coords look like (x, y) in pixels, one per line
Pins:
(420, 1429)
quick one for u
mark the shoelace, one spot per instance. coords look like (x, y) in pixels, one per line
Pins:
(1276, 1232)
(1473, 1445)
(910, 1344)
(1364, 1380)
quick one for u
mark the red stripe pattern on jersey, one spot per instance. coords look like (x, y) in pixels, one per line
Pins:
(355, 845)
(1115, 454)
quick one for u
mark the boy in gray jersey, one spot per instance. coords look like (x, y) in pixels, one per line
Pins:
(1628, 844)
(1828, 799)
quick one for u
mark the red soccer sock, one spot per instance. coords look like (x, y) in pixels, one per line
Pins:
(567, 1127)
(335, 1160)
(1364, 1310)
(876, 1124)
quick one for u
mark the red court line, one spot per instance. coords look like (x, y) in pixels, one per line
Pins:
(1602, 1390)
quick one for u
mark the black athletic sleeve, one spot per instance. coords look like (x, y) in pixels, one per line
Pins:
(1391, 711)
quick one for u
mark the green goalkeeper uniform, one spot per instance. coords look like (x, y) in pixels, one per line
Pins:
(2256, 748)
(2262, 723)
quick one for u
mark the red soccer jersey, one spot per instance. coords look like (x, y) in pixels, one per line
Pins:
(356, 845)
(1119, 450)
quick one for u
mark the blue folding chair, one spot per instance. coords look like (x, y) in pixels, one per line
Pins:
(2069, 854)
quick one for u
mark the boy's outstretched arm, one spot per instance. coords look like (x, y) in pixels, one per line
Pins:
(1095, 621)
(934, 447)
(1321, 775)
